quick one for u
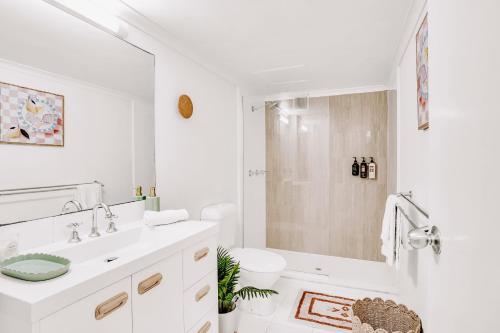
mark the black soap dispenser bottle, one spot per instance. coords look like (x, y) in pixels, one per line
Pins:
(363, 169)
(355, 167)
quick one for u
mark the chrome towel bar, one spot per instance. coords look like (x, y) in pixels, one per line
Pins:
(402, 211)
(408, 197)
(40, 189)
(420, 236)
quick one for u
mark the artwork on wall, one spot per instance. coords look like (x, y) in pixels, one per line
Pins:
(423, 75)
(29, 116)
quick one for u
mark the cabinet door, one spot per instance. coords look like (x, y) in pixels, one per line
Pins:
(108, 310)
(199, 299)
(198, 261)
(157, 297)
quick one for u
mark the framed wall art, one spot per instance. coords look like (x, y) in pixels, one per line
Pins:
(423, 75)
(30, 116)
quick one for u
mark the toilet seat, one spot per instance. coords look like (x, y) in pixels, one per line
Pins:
(258, 261)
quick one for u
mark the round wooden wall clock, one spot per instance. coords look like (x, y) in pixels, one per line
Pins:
(185, 106)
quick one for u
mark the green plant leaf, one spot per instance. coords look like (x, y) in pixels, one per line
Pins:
(252, 292)
(228, 272)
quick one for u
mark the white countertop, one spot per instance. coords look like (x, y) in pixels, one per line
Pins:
(32, 301)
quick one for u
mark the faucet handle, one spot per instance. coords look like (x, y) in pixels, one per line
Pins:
(112, 224)
(75, 237)
(74, 225)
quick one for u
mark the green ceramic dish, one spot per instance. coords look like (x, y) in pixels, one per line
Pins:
(35, 267)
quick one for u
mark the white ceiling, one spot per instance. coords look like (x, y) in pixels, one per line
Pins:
(271, 46)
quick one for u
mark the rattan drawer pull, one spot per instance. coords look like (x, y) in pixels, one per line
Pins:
(149, 283)
(201, 254)
(205, 328)
(202, 293)
(109, 306)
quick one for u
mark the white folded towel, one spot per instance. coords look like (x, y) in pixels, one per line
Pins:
(165, 217)
(398, 239)
(390, 230)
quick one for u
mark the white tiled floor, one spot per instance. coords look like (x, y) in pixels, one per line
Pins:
(280, 322)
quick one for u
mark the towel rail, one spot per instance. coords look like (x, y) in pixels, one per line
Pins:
(408, 197)
(402, 211)
(420, 236)
(40, 189)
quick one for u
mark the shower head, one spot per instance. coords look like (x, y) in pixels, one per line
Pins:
(273, 105)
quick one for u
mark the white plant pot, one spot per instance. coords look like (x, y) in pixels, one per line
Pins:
(228, 322)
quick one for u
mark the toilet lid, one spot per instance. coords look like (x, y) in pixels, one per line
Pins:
(259, 261)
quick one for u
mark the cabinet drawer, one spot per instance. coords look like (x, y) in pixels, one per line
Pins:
(156, 297)
(108, 310)
(208, 324)
(198, 261)
(199, 299)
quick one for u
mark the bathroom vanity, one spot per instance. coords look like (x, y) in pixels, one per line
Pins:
(139, 279)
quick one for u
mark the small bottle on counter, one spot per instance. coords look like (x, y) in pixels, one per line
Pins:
(138, 194)
(152, 201)
(355, 167)
(363, 169)
(372, 169)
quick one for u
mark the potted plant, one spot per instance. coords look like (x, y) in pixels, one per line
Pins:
(228, 273)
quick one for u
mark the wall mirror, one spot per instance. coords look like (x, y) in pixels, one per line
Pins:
(76, 113)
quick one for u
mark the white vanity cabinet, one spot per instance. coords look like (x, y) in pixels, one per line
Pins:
(152, 300)
(157, 297)
(108, 310)
(165, 281)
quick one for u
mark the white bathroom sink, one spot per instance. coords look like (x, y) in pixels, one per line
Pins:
(125, 244)
(92, 248)
(127, 241)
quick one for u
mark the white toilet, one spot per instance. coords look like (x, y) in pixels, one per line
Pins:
(258, 268)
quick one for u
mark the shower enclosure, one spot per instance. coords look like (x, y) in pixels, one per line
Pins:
(299, 193)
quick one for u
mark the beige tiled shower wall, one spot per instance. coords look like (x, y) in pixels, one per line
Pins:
(313, 203)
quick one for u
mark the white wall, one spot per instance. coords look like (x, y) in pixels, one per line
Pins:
(196, 158)
(413, 165)
(98, 138)
(254, 158)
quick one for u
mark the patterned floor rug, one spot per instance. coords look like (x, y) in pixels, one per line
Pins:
(323, 311)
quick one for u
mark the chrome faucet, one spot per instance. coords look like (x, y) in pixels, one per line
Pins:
(94, 232)
(75, 203)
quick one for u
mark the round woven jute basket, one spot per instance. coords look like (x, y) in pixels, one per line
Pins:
(379, 316)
